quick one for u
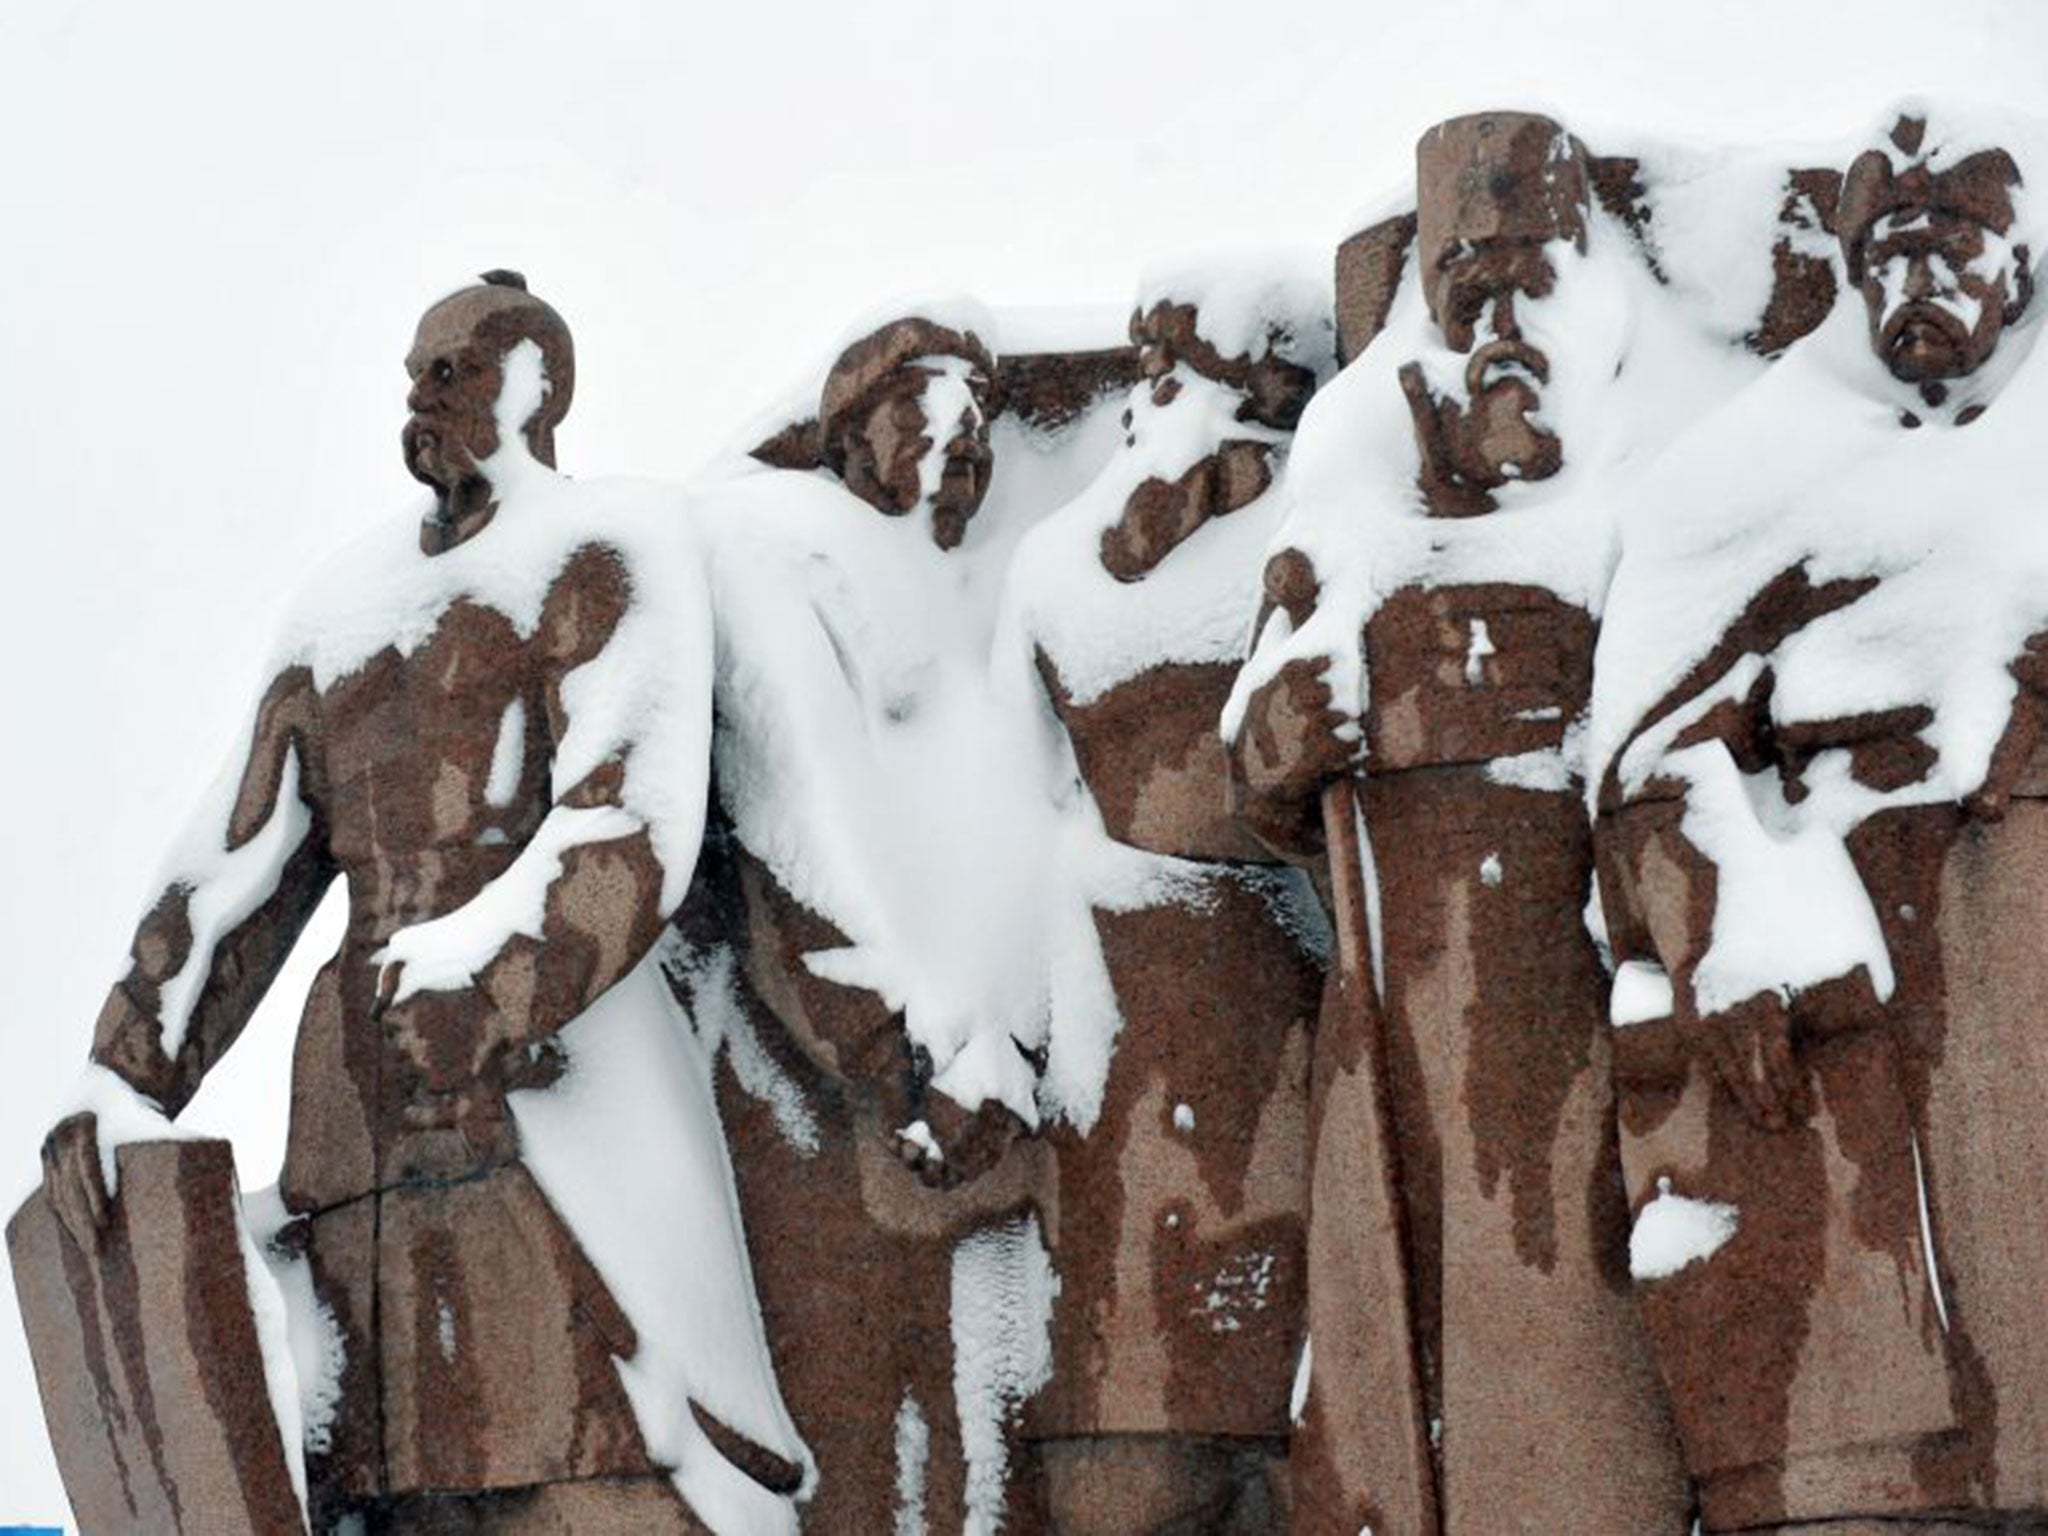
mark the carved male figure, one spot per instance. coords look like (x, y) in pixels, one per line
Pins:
(494, 728)
(1463, 1115)
(846, 604)
(1830, 1103)
(1179, 1189)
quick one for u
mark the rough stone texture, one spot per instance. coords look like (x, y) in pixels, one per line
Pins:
(1149, 752)
(1175, 1486)
(479, 1343)
(147, 1357)
(1495, 1012)
(610, 1506)
(1825, 1283)
(1368, 275)
(1178, 1236)
(1771, 1345)
(852, 1252)
(1050, 390)
(1177, 1222)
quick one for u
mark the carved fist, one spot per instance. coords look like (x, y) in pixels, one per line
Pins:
(940, 1140)
(434, 1030)
(74, 1180)
(1288, 748)
(952, 1145)
(1750, 1046)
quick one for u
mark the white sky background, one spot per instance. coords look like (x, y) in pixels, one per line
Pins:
(221, 221)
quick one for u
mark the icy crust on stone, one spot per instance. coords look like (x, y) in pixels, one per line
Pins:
(1197, 604)
(1630, 365)
(629, 1148)
(1002, 1299)
(869, 756)
(1252, 303)
(1810, 470)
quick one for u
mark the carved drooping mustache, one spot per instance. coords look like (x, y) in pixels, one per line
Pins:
(1502, 359)
(1911, 322)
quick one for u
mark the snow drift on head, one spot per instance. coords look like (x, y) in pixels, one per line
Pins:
(1251, 303)
(1829, 469)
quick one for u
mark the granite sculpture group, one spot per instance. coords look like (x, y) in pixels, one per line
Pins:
(1340, 919)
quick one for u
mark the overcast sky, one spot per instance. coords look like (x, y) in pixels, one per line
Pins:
(221, 221)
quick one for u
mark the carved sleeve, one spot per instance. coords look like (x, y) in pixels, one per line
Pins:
(238, 891)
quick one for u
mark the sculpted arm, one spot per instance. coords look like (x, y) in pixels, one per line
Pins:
(237, 892)
(1292, 738)
(1755, 925)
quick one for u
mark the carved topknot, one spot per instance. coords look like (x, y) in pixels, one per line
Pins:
(505, 277)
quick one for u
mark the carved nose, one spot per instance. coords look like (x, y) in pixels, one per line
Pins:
(1919, 277)
(1504, 327)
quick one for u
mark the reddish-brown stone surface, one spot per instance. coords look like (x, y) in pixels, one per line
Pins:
(852, 1251)
(146, 1352)
(1176, 1219)
(1881, 1153)
(479, 1344)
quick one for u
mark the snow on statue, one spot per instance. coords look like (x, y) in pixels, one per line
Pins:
(1411, 715)
(1178, 1192)
(1817, 744)
(510, 1244)
(868, 936)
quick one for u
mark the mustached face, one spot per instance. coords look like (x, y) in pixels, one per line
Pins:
(1940, 289)
(1478, 296)
(890, 450)
(456, 379)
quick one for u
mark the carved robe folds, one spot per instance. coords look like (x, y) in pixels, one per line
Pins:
(1496, 1050)
(1817, 1367)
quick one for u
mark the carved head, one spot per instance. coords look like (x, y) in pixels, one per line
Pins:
(1927, 246)
(905, 414)
(457, 366)
(1275, 389)
(1493, 191)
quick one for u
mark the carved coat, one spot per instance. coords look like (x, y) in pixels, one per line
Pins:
(479, 1345)
(1892, 1235)
(1492, 1002)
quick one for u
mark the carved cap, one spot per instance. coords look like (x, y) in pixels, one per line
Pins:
(1497, 176)
(1880, 182)
(865, 367)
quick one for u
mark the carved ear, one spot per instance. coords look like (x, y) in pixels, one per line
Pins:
(2023, 284)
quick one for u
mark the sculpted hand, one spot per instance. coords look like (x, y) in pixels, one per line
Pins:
(1750, 1045)
(431, 1029)
(952, 1145)
(74, 1180)
(1289, 748)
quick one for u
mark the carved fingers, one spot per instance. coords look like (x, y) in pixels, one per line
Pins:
(435, 1031)
(1295, 739)
(74, 1181)
(952, 1145)
(1750, 1046)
